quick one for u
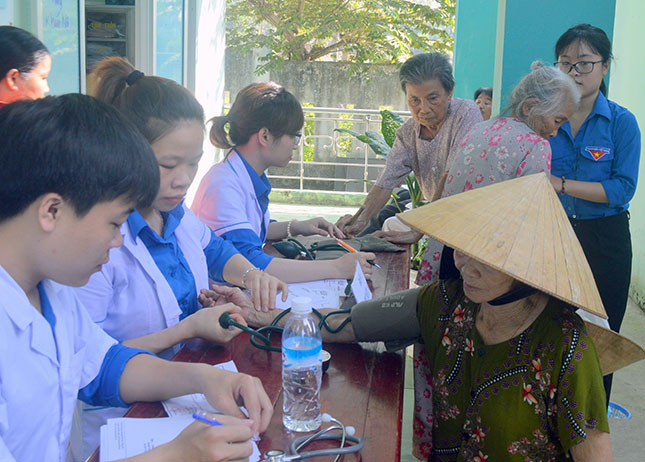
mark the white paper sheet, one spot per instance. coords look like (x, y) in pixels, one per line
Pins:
(360, 288)
(325, 293)
(127, 437)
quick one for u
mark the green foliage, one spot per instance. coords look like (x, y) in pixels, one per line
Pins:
(345, 145)
(307, 133)
(372, 139)
(390, 123)
(359, 31)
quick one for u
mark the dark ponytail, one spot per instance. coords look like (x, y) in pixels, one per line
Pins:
(19, 50)
(153, 104)
(218, 134)
(594, 37)
(259, 105)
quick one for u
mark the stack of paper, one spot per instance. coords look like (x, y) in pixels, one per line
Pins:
(127, 437)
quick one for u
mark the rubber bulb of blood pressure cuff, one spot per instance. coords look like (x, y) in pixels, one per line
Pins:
(301, 368)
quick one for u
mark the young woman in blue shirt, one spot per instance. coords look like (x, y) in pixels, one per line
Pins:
(595, 168)
(264, 128)
(147, 294)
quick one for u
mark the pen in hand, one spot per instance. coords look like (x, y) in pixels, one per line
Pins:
(203, 418)
(353, 250)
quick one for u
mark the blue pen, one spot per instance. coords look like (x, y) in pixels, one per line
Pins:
(202, 418)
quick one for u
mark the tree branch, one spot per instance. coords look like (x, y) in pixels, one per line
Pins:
(316, 53)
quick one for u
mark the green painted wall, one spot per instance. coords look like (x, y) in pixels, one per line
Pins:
(627, 90)
(474, 57)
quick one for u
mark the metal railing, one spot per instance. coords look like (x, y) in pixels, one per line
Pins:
(327, 160)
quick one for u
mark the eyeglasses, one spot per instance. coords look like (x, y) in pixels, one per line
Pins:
(297, 138)
(581, 67)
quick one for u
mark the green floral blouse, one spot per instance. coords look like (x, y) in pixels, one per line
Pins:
(531, 398)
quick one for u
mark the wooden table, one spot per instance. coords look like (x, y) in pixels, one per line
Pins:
(363, 386)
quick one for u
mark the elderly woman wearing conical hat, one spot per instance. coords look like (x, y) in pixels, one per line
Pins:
(517, 373)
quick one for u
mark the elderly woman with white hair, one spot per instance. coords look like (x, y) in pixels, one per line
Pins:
(512, 145)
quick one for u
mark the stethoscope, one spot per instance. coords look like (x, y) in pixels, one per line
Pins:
(346, 434)
(258, 335)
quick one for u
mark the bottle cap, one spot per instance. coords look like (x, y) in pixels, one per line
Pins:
(301, 305)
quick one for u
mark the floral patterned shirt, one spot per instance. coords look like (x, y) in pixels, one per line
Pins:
(531, 398)
(494, 151)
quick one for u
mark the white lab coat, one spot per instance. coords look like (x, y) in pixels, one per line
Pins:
(41, 371)
(129, 298)
(226, 200)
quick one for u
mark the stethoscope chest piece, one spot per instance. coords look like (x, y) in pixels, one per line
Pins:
(325, 356)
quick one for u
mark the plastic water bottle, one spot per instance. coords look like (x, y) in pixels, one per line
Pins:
(301, 368)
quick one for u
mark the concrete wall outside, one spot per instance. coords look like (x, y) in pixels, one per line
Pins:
(627, 90)
(325, 84)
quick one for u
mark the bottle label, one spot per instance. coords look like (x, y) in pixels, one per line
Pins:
(300, 352)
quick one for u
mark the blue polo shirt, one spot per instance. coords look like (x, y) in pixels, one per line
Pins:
(170, 260)
(246, 241)
(607, 150)
(104, 389)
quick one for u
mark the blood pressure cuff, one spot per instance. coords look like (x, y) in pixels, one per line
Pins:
(391, 319)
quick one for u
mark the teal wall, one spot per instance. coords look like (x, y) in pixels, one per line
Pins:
(474, 57)
(627, 89)
(531, 29)
(497, 40)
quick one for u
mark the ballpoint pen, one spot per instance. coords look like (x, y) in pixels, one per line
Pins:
(353, 250)
(202, 418)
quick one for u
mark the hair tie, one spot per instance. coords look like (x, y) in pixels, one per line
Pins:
(134, 77)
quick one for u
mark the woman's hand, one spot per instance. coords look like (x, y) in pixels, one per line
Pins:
(347, 264)
(398, 237)
(264, 289)
(201, 441)
(316, 226)
(205, 323)
(227, 391)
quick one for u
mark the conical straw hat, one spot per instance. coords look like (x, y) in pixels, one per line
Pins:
(519, 228)
(614, 350)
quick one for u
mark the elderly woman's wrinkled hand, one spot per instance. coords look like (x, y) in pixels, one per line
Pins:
(220, 295)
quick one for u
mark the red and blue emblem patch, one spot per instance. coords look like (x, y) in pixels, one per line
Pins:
(596, 152)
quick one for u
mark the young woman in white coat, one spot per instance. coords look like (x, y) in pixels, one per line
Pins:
(264, 128)
(146, 296)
